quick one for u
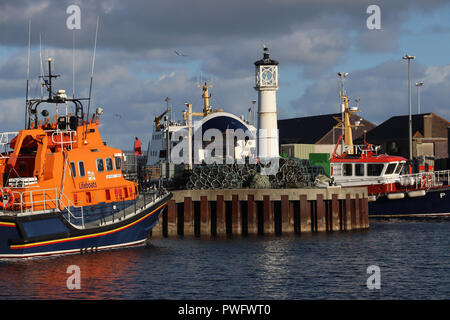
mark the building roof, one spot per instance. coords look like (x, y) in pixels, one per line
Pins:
(397, 128)
(316, 129)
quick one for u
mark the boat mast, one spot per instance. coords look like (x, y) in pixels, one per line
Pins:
(28, 71)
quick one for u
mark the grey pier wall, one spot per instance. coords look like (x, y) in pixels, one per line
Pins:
(263, 211)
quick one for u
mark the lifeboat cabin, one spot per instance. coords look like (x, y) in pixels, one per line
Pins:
(62, 165)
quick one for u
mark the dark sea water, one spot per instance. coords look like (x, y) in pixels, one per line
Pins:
(413, 257)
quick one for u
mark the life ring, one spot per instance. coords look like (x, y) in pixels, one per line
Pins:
(8, 196)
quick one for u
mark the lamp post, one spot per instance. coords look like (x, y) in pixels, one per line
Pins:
(418, 85)
(409, 58)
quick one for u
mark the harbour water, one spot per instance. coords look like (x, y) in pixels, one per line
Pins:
(413, 257)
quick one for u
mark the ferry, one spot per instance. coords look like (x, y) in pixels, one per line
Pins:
(393, 190)
(62, 186)
(165, 130)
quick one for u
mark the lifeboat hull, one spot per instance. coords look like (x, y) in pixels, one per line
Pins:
(51, 234)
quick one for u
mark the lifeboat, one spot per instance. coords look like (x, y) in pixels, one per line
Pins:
(62, 186)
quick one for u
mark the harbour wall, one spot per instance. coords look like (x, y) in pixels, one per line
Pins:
(263, 211)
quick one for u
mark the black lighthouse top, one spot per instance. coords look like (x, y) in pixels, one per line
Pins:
(266, 59)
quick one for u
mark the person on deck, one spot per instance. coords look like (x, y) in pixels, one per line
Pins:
(137, 147)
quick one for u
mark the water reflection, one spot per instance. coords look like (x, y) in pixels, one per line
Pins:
(413, 257)
(102, 275)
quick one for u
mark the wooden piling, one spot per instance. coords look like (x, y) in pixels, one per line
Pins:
(320, 214)
(221, 229)
(348, 212)
(357, 213)
(205, 216)
(335, 222)
(305, 215)
(268, 215)
(287, 215)
(188, 226)
(171, 218)
(251, 212)
(236, 221)
(252, 222)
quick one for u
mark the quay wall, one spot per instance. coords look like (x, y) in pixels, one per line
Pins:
(226, 212)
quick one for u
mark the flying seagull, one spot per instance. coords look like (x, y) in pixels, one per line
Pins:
(180, 54)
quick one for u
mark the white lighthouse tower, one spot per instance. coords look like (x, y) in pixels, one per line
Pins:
(267, 86)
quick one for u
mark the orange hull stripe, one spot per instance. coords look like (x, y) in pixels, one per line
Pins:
(20, 246)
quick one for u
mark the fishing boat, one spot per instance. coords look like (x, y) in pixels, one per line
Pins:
(393, 189)
(62, 186)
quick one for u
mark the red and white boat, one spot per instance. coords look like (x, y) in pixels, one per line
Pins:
(393, 190)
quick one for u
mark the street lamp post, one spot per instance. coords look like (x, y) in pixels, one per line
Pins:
(418, 85)
(409, 58)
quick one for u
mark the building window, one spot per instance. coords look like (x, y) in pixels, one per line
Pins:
(100, 165)
(81, 168)
(359, 169)
(109, 164)
(374, 169)
(348, 169)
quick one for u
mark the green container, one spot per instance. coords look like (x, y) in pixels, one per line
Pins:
(322, 160)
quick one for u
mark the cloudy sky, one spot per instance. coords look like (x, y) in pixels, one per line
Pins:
(136, 66)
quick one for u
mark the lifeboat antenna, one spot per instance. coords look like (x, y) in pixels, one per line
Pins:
(28, 70)
(92, 77)
(92, 69)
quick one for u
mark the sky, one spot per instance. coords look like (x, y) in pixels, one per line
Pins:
(137, 65)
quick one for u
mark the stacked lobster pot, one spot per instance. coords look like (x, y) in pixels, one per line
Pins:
(291, 173)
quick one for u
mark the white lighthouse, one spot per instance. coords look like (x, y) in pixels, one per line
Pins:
(267, 86)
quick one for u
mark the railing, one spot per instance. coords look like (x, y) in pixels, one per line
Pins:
(425, 180)
(46, 200)
(61, 134)
(362, 148)
(5, 139)
(52, 200)
(140, 203)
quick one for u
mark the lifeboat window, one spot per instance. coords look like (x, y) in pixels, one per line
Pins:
(81, 168)
(88, 197)
(390, 169)
(108, 195)
(73, 172)
(374, 169)
(125, 192)
(359, 169)
(109, 165)
(100, 165)
(348, 169)
(118, 162)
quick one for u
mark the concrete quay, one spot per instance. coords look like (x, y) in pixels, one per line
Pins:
(226, 212)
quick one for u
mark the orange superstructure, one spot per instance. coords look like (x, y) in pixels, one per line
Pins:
(62, 163)
(73, 166)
